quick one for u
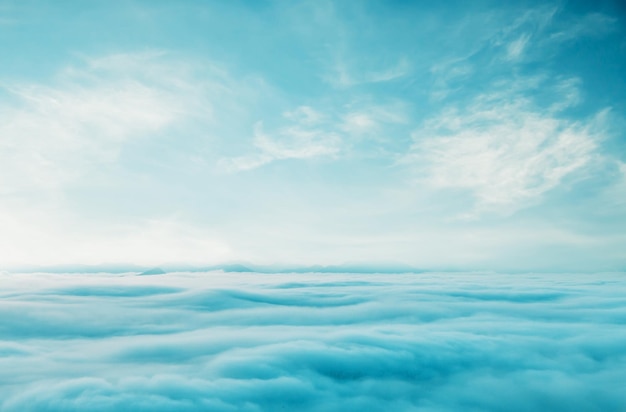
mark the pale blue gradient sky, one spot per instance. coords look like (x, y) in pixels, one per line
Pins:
(443, 136)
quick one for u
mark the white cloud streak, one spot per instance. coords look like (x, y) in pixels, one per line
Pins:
(297, 141)
(308, 133)
(515, 49)
(511, 39)
(592, 25)
(52, 135)
(503, 149)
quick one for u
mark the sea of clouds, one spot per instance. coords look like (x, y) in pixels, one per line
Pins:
(312, 342)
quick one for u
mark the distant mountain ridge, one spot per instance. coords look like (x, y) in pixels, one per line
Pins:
(226, 267)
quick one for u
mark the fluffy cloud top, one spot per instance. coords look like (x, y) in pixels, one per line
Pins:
(210, 341)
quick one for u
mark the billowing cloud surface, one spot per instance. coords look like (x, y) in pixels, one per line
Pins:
(312, 342)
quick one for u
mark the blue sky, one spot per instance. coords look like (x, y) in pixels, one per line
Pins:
(448, 136)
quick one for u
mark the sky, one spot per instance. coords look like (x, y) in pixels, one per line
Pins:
(483, 136)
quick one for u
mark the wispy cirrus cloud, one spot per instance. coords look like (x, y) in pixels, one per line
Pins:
(589, 25)
(308, 133)
(371, 119)
(511, 141)
(515, 49)
(503, 148)
(302, 140)
(342, 75)
(53, 134)
(541, 32)
(512, 40)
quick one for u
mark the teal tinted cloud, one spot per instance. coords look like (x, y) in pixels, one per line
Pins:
(312, 342)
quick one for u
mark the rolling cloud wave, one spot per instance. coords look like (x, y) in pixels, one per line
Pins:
(249, 342)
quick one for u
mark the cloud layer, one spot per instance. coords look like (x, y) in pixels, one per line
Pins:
(249, 342)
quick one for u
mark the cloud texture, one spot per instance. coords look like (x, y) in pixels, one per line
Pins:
(249, 342)
(502, 149)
